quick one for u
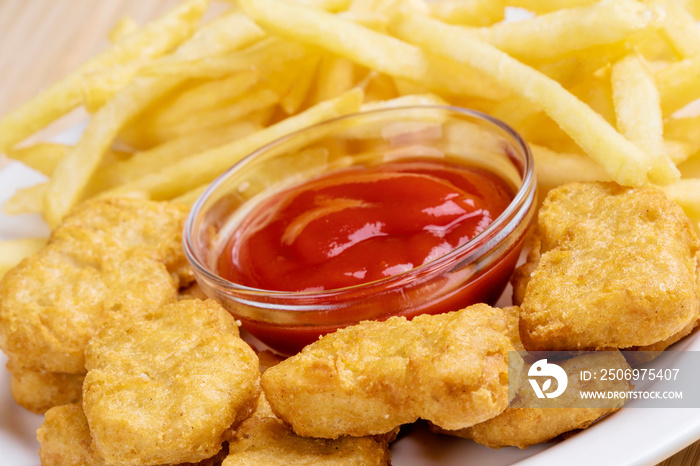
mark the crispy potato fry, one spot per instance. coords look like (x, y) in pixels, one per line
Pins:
(469, 12)
(404, 101)
(684, 130)
(293, 100)
(202, 168)
(228, 114)
(28, 200)
(546, 6)
(142, 163)
(680, 29)
(208, 95)
(690, 168)
(577, 67)
(622, 160)
(42, 157)
(328, 5)
(13, 251)
(638, 113)
(352, 41)
(678, 84)
(335, 76)
(556, 34)
(556, 168)
(684, 192)
(152, 40)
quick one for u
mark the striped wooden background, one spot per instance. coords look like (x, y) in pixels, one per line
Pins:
(42, 40)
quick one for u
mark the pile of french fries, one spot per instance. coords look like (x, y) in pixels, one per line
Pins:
(600, 89)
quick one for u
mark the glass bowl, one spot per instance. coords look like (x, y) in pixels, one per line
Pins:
(476, 271)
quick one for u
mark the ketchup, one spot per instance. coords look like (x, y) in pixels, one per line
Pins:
(362, 224)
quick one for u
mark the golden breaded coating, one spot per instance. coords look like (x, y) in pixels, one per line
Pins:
(65, 440)
(451, 369)
(164, 387)
(523, 423)
(618, 268)
(108, 259)
(271, 442)
(38, 391)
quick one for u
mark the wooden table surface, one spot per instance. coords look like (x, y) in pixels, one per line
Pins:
(42, 40)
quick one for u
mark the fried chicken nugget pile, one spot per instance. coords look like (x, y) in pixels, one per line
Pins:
(108, 259)
(165, 387)
(451, 369)
(525, 423)
(615, 267)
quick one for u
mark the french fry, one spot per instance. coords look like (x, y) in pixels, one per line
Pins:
(208, 95)
(160, 122)
(404, 101)
(292, 101)
(547, 6)
(152, 40)
(680, 30)
(574, 68)
(684, 192)
(28, 200)
(328, 5)
(192, 172)
(335, 76)
(469, 12)
(142, 163)
(13, 251)
(265, 52)
(638, 113)
(378, 87)
(685, 131)
(352, 41)
(227, 114)
(553, 168)
(42, 157)
(99, 86)
(555, 34)
(678, 84)
(191, 196)
(621, 160)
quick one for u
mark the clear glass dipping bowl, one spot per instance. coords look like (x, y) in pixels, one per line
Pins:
(477, 271)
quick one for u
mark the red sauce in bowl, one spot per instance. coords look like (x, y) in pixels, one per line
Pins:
(362, 224)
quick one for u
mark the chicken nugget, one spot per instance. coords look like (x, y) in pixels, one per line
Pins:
(270, 441)
(617, 269)
(110, 258)
(523, 423)
(451, 369)
(65, 440)
(37, 390)
(165, 386)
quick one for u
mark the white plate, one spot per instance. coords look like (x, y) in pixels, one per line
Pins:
(629, 437)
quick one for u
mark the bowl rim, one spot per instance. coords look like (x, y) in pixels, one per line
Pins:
(517, 209)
